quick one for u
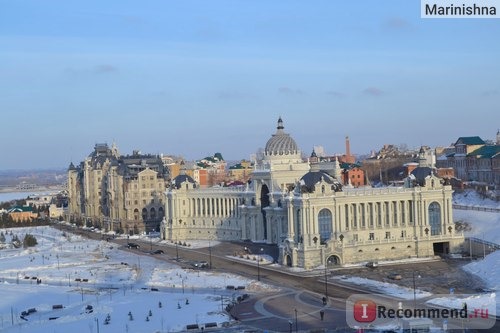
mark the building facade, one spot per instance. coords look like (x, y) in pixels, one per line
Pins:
(313, 219)
(475, 160)
(118, 193)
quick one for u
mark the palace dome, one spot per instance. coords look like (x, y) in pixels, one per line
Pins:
(281, 143)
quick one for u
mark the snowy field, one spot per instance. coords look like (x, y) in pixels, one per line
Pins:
(64, 275)
(484, 225)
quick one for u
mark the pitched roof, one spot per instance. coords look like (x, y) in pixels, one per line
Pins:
(19, 209)
(470, 140)
(485, 152)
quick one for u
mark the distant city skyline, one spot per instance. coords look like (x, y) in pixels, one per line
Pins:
(193, 78)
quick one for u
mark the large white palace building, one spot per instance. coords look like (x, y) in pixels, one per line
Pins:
(314, 220)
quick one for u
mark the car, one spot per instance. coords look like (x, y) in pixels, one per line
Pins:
(133, 246)
(158, 252)
(372, 264)
(200, 264)
(395, 276)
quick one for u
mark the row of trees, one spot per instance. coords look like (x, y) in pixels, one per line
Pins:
(28, 241)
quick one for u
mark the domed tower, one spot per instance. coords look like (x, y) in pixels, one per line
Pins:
(281, 146)
(276, 174)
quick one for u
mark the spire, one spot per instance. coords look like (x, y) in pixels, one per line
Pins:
(280, 124)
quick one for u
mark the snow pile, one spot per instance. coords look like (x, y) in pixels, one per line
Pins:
(487, 269)
(385, 287)
(472, 198)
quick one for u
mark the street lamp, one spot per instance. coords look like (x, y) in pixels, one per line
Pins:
(209, 256)
(151, 239)
(296, 322)
(258, 264)
(414, 290)
(326, 282)
(176, 251)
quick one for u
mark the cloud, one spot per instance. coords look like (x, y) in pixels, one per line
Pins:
(336, 94)
(373, 91)
(233, 95)
(396, 23)
(83, 72)
(490, 93)
(105, 69)
(290, 91)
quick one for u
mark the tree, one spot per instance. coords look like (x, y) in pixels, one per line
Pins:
(29, 241)
(2, 237)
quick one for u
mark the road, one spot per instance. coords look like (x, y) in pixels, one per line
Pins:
(298, 306)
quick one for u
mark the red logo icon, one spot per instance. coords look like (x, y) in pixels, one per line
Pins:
(365, 311)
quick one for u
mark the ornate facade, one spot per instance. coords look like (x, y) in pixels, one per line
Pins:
(312, 219)
(118, 193)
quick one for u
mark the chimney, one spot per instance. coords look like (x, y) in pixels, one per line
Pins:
(347, 147)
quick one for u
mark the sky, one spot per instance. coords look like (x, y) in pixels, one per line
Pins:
(193, 78)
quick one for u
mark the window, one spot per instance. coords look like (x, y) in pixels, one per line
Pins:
(435, 218)
(387, 235)
(371, 236)
(325, 224)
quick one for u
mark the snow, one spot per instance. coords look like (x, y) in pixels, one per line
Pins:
(118, 282)
(385, 287)
(484, 225)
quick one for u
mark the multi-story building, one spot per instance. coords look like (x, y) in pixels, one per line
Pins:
(118, 193)
(474, 160)
(311, 217)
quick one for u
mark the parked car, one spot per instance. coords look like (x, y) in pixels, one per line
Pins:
(200, 264)
(158, 252)
(133, 246)
(395, 276)
(372, 264)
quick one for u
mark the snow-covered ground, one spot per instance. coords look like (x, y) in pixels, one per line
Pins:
(484, 225)
(72, 272)
(118, 283)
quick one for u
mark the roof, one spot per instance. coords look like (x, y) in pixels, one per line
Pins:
(177, 181)
(420, 173)
(19, 209)
(281, 143)
(310, 179)
(485, 152)
(470, 140)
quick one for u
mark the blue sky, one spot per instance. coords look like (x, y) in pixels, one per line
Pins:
(196, 77)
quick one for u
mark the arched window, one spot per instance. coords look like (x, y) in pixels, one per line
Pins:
(298, 232)
(325, 223)
(136, 214)
(435, 218)
(144, 214)
(160, 213)
(152, 213)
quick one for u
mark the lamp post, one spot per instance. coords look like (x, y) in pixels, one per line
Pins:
(258, 264)
(151, 240)
(209, 256)
(326, 281)
(296, 322)
(176, 251)
(414, 290)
